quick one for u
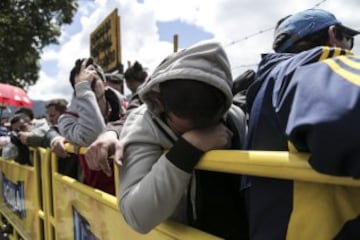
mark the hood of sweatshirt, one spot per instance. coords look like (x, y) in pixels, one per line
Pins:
(206, 62)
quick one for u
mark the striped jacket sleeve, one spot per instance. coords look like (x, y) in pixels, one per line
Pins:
(323, 101)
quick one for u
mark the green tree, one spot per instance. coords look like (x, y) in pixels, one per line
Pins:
(26, 27)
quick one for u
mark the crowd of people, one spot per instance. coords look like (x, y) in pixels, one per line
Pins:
(303, 97)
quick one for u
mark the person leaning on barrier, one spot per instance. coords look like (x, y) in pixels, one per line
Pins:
(67, 163)
(16, 149)
(38, 138)
(107, 143)
(50, 138)
(92, 107)
(40, 126)
(187, 111)
(27, 132)
(54, 109)
(37, 123)
(306, 96)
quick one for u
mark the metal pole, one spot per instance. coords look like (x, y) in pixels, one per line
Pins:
(176, 42)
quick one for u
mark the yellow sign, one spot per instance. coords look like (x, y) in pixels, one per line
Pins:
(105, 43)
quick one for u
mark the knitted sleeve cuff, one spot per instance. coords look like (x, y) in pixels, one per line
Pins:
(184, 155)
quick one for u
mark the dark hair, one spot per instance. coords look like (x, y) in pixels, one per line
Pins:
(193, 100)
(19, 117)
(243, 81)
(76, 69)
(135, 73)
(23, 156)
(320, 38)
(27, 111)
(60, 104)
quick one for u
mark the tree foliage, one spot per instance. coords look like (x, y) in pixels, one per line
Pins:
(26, 27)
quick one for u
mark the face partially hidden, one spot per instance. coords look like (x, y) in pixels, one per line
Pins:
(347, 42)
(132, 85)
(21, 126)
(98, 87)
(339, 38)
(181, 125)
(53, 115)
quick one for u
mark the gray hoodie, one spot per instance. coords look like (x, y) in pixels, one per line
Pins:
(153, 186)
(82, 123)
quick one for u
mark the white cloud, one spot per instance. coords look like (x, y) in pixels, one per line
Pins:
(49, 55)
(185, 10)
(228, 20)
(47, 87)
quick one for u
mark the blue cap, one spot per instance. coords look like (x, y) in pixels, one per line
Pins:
(304, 23)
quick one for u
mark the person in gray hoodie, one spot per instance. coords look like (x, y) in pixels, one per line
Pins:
(93, 104)
(92, 107)
(188, 111)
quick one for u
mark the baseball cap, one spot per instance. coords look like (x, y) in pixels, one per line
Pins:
(305, 23)
(116, 78)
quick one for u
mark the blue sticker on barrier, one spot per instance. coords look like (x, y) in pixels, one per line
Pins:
(82, 229)
(13, 195)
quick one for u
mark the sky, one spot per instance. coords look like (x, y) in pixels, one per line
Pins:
(243, 27)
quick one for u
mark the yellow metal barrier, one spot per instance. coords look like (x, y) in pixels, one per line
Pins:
(272, 164)
(59, 207)
(47, 193)
(82, 210)
(20, 202)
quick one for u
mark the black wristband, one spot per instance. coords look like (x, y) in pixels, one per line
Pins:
(184, 155)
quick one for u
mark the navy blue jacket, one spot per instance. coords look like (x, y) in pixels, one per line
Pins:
(311, 99)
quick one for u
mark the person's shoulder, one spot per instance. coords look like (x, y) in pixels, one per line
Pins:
(292, 62)
(40, 123)
(339, 68)
(138, 115)
(319, 53)
(140, 127)
(236, 110)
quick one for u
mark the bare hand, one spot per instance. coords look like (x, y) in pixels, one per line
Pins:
(58, 146)
(86, 73)
(4, 140)
(23, 136)
(217, 137)
(98, 153)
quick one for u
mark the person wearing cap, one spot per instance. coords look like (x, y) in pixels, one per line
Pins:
(92, 107)
(306, 98)
(116, 81)
(187, 111)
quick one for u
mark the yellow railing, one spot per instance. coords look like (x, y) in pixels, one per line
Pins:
(21, 203)
(59, 207)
